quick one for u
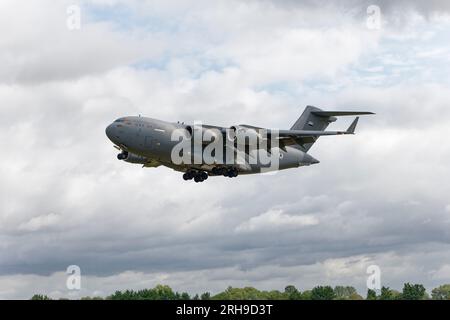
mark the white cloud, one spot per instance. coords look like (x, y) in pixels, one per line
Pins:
(276, 220)
(40, 222)
(42, 48)
(377, 197)
(443, 273)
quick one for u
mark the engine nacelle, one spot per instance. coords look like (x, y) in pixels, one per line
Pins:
(202, 134)
(190, 131)
(212, 134)
(132, 158)
(243, 135)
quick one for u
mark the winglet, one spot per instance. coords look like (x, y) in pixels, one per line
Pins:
(351, 129)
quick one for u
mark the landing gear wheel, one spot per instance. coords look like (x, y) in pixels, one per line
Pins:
(198, 176)
(231, 173)
(219, 171)
(122, 156)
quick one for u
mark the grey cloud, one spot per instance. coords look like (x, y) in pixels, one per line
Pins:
(37, 46)
(378, 197)
(391, 7)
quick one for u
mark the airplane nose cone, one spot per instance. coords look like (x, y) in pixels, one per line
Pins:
(109, 131)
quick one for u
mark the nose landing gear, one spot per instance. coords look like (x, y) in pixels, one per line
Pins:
(122, 156)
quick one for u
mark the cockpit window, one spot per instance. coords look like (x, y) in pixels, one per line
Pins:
(119, 120)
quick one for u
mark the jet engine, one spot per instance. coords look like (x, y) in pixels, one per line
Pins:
(189, 130)
(206, 133)
(243, 135)
(132, 158)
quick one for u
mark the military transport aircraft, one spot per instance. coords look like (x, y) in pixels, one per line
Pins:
(200, 151)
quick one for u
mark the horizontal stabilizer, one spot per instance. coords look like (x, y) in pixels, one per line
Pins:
(339, 113)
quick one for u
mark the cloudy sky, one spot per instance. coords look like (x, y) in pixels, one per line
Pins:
(380, 197)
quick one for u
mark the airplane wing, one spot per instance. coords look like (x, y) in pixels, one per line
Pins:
(250, 127)
(293, 137)
(208, 126)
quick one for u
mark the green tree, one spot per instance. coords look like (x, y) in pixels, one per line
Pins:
(371, 295)
(292, 293)
(322, 293)
(247, 293)
(91, 298)
(306, 295)
(159, 292)
(386, 294)
(389, 294)
(273, 295)
(163, 293)
(346, 293)
(356, 296)
(40, 297)
(413, 292)
(206, 296)
(185, 296)
(441, 292)
(396, 295)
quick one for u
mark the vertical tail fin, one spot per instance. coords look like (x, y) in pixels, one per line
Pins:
(310, 121)
(315, 119)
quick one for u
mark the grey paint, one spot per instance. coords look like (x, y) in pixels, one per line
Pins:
(148, 142)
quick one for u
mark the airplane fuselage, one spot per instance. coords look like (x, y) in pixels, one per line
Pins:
(151, 141)
(201, 151)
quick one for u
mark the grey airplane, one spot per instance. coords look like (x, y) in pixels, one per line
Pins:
(200, 151)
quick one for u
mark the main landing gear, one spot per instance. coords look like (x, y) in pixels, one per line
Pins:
(226, 172)
(198, 176)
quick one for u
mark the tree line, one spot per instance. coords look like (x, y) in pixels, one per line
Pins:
(163, 292)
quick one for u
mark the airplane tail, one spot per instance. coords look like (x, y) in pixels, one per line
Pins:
(315, 119)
